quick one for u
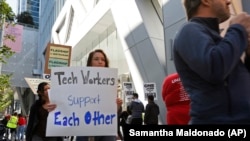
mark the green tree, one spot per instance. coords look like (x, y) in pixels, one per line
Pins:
(6, 12)
(25, 18)
(6, 91)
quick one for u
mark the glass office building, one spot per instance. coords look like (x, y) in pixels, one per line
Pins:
(32, 6)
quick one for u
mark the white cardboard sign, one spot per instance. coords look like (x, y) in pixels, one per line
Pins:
(150, 89)
(85, 98)
(128, 89)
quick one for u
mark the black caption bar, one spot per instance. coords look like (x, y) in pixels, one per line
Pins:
(163, 132)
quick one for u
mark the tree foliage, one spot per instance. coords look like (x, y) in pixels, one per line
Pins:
(5, 53)
(25, 18)
(6, 91)
(6, 12)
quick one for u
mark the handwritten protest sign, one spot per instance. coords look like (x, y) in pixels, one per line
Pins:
(85, 98)
(128, 89)
(150, 89)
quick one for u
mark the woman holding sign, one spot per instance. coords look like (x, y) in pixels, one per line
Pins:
(36, 128)
(98, 58)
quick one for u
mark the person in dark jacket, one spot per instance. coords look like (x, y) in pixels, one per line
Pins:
(37, 123)
(210, 65)
(151, 112)
(136, 108)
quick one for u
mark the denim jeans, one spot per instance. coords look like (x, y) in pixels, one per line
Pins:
(20, 132)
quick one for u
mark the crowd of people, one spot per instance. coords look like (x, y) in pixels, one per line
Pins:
(36, 128)
(14, 127)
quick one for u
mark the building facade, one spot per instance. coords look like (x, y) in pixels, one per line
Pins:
(20, 65)
(32, 6)
(137, 36)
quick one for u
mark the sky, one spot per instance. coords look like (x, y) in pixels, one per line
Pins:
(13, 5)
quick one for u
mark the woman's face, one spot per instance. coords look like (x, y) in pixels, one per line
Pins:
(98, 60)
(45, 91)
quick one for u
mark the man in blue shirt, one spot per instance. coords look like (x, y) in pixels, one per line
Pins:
(210, 66)
(137, 108)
